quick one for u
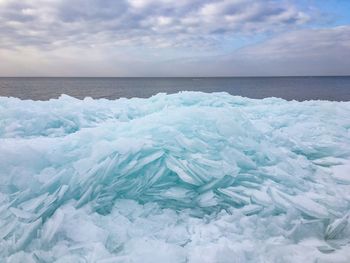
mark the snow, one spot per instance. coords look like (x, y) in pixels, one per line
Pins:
(188, 177)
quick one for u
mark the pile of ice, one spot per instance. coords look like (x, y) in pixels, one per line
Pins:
(189, 177)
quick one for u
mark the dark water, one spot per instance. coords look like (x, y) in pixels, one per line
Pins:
(297, 88)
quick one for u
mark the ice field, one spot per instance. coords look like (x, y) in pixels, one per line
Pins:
(188, 177)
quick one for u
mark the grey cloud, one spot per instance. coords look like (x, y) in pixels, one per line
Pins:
(48, 23)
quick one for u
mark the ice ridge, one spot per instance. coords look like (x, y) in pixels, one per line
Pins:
(191, 162)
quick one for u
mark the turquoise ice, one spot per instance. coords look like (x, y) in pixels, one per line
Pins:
(188, 177)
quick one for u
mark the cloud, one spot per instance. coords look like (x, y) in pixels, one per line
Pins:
(152, 23)
(306, 52)
(304, 43)
(167, 38)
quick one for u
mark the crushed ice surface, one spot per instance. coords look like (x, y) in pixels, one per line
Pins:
(189, 177)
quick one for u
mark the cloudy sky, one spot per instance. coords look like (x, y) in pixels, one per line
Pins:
(174, 37)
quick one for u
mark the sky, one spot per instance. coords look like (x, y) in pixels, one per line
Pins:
(158, 38)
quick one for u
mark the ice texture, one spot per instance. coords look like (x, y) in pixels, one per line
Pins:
(188, 177)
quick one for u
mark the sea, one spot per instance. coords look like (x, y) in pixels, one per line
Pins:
(289, 88)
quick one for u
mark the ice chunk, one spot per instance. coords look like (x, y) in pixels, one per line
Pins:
(85, 197)
(30, 231)
(334, 229)
(307, 206)
(235, 197)
(251, 209)
(329, 161)
(207, 199)
(21, 214)
(261, 198)
(176, 167)
(8, 228)
(276, 197)
(341, 173)
(178, 193)
(51, 226)
(326, 249)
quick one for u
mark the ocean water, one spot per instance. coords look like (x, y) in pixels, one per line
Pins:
(192, 176)
(289, 88)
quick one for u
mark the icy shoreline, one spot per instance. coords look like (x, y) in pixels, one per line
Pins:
(188, 177)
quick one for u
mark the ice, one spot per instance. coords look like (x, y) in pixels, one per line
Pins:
(51, 226)
(341, 173)
(261, 198)
(21, 214)
(307, 206)
(251, 209)
(188, 177)
(334, 229)
(29, 233)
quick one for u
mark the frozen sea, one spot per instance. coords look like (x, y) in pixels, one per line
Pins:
(117, 172)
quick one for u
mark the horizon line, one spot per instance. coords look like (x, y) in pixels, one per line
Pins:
(193, 77)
